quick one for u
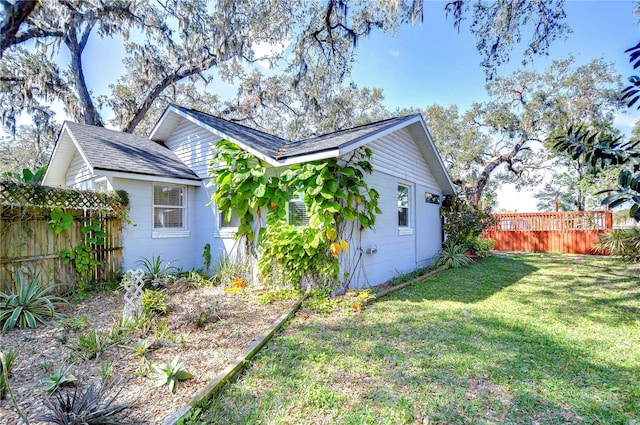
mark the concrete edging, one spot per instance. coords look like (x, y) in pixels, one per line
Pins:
(233, 369)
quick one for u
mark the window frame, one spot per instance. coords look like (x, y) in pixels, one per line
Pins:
(163, 232)
(404, 229)
(299, 201)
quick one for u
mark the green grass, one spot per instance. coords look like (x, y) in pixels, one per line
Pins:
(522, 340)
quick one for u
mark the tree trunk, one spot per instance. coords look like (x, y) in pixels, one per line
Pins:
(88, 112)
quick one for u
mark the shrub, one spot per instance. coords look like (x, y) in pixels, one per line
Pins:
(155, 303)
(83, 406)
(463, 223)
(453, 256)
(621, 242)
(26, 303)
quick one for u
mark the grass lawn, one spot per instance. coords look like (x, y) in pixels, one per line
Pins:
(531, 339)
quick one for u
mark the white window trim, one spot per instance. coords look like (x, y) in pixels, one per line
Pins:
(226, 232)
(172, 232)
(406, 230)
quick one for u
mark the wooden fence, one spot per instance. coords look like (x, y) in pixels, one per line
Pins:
(29, 245)
(575, 232)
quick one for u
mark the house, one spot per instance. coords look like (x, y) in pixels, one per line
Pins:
(166, 177)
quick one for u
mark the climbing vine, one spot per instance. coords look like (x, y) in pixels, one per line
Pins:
(335, 193)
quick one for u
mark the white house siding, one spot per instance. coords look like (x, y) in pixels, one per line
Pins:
(397, 160)
(183, 251)
(79, 175)
(195, 147)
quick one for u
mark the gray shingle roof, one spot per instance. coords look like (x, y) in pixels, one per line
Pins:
(260, 141)
(279, 148)
(112, 150)
(338, 139)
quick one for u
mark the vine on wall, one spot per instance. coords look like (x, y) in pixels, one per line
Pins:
(336, 195)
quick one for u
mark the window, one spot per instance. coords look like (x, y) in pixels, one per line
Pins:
(101, 185)
(298, 213)
(233, 223)
(431, 198)
(403, 206)
(169, 207)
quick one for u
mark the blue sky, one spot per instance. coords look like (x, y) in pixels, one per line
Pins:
(433, 63)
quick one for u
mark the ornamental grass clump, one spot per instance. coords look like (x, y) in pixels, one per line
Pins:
(26, 303)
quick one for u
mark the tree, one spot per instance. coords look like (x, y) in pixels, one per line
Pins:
(574, 182)
(502, 139)
(175, 41)
(584, 143)
(317, 106)
(14, 16)
(30, 147)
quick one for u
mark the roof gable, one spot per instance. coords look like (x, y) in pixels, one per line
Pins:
(281, 152)
(113, 151)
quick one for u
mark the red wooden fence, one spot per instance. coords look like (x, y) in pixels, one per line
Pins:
(575, 232)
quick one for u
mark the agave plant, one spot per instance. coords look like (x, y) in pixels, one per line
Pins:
(621, 242)
(26, 303)
(59, 378)
(170, 374)
(155, 269)
(83, 406)
(453, 256)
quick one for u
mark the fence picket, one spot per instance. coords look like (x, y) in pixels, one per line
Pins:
(575, 232)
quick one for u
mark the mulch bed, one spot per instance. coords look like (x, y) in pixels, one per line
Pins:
(235, 321)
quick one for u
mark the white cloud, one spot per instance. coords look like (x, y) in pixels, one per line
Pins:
(394, 52)
(624, 121)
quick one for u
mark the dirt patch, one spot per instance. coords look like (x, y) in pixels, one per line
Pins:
(207, 328)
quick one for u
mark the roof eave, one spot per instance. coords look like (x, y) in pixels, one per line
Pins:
(172, 109)
(151, 178)
(56, 153)
(448, 183)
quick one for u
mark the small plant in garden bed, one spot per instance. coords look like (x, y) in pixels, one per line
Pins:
(6, 363)
(156, 271)
(279, 294)
(155, 303)
(59, 378)
(170, 374)
(209, 315)
(453, 256)
(142, 348)
(26, 303)
(86, 406)
(73, 323)
(91, 345)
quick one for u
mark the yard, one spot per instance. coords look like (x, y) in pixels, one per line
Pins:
(524, 339)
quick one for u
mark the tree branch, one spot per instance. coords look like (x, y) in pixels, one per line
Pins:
(15, 15)
(170, 79)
